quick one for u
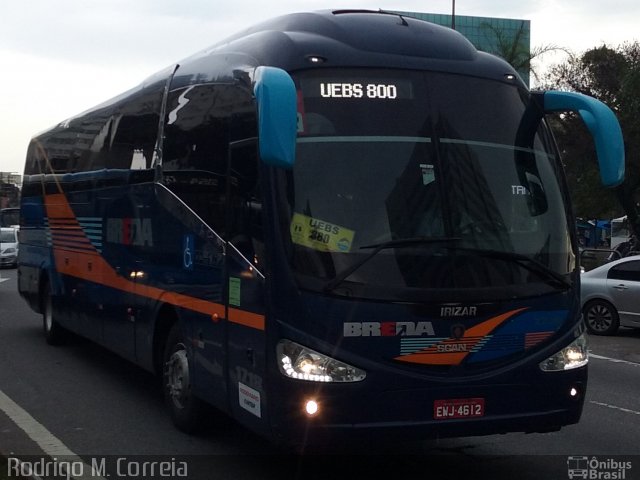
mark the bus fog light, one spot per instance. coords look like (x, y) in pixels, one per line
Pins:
(573, 392)
(311, 407)
(302, 363)
(572, 356)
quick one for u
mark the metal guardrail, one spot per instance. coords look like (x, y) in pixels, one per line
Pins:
(591, 258)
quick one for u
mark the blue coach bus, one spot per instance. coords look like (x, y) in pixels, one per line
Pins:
(333, 225)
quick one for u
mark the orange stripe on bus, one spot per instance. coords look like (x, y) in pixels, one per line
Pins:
(248, 319)
(91, 266)
(434, 356)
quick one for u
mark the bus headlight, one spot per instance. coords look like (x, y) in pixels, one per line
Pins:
(574, 355)
(302, 363)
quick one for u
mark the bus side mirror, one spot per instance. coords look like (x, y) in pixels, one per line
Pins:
(276, 97)
(603, 125)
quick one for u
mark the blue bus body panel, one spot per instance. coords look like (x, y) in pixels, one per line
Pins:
(407, 372)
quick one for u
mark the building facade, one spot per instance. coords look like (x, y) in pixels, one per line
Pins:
(9, 189)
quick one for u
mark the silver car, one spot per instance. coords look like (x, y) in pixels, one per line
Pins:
(8, 247)
(611, 296)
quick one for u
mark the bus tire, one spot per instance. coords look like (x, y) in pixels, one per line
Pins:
(601, 317)
(184, 408)
(54, 334)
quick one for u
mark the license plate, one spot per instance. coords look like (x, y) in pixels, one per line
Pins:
(458, 408)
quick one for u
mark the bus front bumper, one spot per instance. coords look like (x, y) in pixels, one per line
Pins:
(398, 416)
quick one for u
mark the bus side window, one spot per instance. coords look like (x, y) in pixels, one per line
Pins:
(134, 142)
(244, 217)
(121, 135)
(134, 130)
(195, 150)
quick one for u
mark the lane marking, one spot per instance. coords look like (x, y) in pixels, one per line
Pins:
(614, 360)
(608, 405)
(614, 407)
(37, 432)
(3, 280)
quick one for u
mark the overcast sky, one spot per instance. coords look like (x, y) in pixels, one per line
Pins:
(60, 57)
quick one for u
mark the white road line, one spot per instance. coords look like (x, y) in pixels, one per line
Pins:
(614, 407)
(49, 444)
(614, 360)
(3, 280)
(608, 405)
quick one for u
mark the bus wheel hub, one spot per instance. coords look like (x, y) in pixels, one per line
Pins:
(177, 375)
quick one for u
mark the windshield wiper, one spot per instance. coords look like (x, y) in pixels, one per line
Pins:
(377, 248)
(528, 263)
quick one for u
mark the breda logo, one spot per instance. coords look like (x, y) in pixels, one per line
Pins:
(130, 231)
(387, 329)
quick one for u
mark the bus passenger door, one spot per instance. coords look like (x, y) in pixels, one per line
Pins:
(245, 287)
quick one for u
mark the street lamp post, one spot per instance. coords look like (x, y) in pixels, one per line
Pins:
(453, 14)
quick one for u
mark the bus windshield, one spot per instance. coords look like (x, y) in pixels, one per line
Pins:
(9, 217)
(386, 156)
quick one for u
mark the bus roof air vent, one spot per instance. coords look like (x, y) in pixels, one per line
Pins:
(382, 12)
(353, 10)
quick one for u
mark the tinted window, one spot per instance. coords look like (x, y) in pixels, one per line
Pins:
(9, 217)
(626, 271)
(201, 121)
(244, 224)
(120, 134)
(8, 236)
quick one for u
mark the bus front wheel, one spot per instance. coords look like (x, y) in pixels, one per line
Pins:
(185, 409)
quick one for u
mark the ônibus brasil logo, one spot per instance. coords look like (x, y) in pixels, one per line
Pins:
(594, 468)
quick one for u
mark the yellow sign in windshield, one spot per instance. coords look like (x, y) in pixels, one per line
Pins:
(320, 235)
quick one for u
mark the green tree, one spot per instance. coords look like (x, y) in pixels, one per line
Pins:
(514, 48)
(611, 75)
